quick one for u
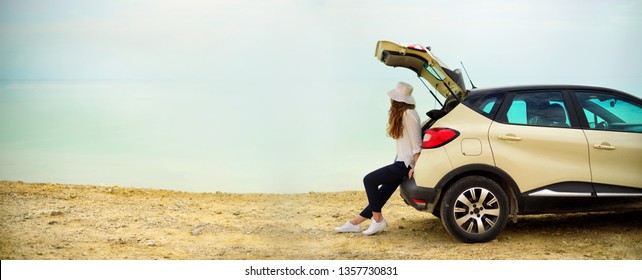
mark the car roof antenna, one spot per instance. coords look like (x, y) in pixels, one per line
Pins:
(433, 94)
(471, 81)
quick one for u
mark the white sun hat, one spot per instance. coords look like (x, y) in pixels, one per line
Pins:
(402, 93)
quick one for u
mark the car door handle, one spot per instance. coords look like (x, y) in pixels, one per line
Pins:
(509, 137)
(604, 146)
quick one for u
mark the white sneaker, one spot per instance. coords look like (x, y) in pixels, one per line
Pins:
(375, 227)
(348, 227)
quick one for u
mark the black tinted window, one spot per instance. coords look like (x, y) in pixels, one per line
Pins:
(485, 104)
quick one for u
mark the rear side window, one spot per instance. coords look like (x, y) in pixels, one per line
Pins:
(485, 104)
(605, 111)
(537, 109)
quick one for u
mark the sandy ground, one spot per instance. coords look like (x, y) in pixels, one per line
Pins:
(53, 221)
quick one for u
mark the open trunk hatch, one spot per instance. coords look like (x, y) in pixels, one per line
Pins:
(420, 60)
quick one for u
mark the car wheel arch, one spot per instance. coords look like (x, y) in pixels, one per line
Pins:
(494, 173)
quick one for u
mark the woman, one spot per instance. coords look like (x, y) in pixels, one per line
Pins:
(404, 127)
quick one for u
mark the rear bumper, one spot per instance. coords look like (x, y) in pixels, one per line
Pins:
(421, 198)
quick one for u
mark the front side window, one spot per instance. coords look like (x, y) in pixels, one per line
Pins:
(538, 109)
(605, 111)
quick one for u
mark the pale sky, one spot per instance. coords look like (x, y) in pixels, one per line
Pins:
(278, 96)
(501, 42)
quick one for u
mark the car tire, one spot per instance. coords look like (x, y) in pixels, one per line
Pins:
(474, 209)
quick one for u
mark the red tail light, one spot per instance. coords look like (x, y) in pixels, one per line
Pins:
(418, 47)
(437, 137)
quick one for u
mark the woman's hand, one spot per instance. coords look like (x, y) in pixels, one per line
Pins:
(412, 169)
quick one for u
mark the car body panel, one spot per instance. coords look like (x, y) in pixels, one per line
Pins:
(616, 147)
(540, 156)
(469, 147)
(616, 157)
(425, 64)
(433, 162)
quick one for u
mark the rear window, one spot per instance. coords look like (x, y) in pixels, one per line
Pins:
(485, 104)
(537, 108)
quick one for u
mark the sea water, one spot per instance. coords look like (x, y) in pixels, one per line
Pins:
(206, 136)
(195, 136)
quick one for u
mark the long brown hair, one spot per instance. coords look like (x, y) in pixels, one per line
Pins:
(395, 118)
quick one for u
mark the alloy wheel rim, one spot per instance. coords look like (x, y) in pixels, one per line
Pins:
(476, 210)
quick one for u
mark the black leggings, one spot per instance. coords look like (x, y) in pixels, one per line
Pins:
(388, 177)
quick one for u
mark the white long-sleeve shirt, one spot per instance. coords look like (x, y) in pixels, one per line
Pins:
(409, 143)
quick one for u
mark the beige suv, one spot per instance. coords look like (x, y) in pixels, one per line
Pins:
(492, 154)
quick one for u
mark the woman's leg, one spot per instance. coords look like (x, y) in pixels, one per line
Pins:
(388, 177)
(383, 194)
(358, 219)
